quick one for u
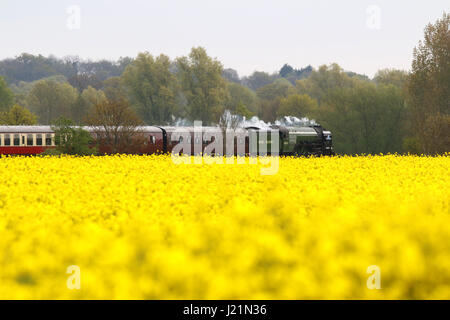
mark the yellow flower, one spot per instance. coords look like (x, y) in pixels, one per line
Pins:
(143, 227)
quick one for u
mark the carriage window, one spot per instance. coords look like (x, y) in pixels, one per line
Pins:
(16, 139)
(152, 139)
(1, 140)
(29, 139)
(7, 140)
(39, 139)
(181, 139)
(48, 139)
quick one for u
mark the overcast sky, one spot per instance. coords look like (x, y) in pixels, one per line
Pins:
(246, 35)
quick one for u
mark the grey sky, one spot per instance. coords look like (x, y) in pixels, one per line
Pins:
(245, 35)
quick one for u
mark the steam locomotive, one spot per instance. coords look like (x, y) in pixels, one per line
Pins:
(295, 141)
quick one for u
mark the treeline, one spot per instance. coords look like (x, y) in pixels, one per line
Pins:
(396, 111)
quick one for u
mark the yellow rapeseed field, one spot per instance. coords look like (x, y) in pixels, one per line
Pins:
(142, 227)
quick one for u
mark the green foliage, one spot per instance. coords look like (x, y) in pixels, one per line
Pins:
(50, 100)
(70, 139)
(258, 79)
(242, 110)
(293, 75)
(6, 96)
(395, 77)
(114, 89)
(85, 102)
(115, 125)
(27, 67)
(324, 80)
(298, 105)
(269, 109)
(286, 70)
(242, 98)
(231, 75)
(429, 90)
(17, 115)
(280, 88)
(270, 98)
(22, 89)
(51, 152)
(203, 86)
(411, 145)
(365, 119)
(152, 87)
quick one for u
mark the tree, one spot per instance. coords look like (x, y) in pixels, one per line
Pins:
(364, 119)
(22, 89)
(203, 86)
(270, 98)
(18, 115)
(241, 100)
(429, 90)
(269, 109)
(286, 70)
(231, 75)
(280, 88)
(114, 88)
(323, 81)
(291, 74)
(437, 133)
(116, 126)
(258, 79)
(297, 105)
(85, 103)
(395, 77)
(93, 97)
(6, 96)
(72, 140)
(27, 67)
(152, 87)
(50, 100)
(82, 81)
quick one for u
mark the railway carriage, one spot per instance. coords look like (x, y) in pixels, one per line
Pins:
(310, 140)
(26, 140)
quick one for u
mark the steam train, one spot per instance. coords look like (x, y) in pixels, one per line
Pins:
(295, 141)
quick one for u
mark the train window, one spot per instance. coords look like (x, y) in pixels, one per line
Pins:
(152, 139)
(16, 139)
(180, 139)
(189, 139)
(7, 140)
(48, 139)
(29, 139)
(1, 140)
(39, 139)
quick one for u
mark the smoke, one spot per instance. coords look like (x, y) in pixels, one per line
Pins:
(296, 122)
(181, 122)
(288, 121)
(254, 122)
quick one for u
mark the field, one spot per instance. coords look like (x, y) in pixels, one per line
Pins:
(142, 227)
